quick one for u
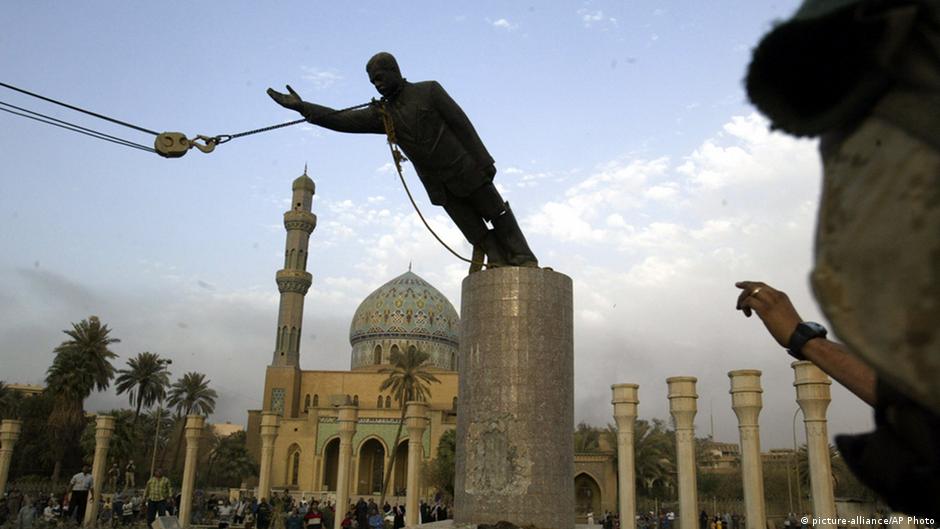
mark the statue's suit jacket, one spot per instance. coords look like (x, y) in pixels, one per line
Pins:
(431, 129)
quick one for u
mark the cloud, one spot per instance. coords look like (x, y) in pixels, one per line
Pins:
(654, 245)
(320, 79)
(595, 18)
(502, 23)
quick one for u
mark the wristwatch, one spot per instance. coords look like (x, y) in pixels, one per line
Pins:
(804, 332)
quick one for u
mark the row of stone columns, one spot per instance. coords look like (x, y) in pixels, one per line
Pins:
(812, 395)
(104, 429)
(416, 421)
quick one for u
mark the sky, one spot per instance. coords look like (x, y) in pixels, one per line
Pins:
(621, 131)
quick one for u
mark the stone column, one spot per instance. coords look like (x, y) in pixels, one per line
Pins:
(812, 394)
(104, 428)
(416, 419)
(682, 406)
(348, 416)
(515, 456)
(625, 401)
(194, 426)
(270, 422)
(9, 433)
(746, 402)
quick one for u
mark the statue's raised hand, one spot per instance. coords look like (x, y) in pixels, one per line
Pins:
(289, 100)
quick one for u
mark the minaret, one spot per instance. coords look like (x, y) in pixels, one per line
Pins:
(293, 280)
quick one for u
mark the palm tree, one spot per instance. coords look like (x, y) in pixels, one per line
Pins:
(145, 381)
(654, 448)
(82, 364)
(189, 394)
(408, 379)
(230, 460)
(837, 466)
(10, 401)
(587, 438)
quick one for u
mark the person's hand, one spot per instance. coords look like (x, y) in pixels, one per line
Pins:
(772, 306)
(289, 100)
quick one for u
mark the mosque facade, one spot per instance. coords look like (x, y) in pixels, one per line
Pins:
(405, 312)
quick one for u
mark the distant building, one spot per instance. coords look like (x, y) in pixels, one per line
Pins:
(226, 429)
(27, 390)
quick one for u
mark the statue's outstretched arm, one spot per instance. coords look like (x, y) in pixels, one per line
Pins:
(363, 121)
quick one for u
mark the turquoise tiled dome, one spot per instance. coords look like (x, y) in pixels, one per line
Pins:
(405, 311)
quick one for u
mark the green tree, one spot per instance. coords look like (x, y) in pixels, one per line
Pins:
(408, 379)
(81, 365)
(654, 458)
(229, 461)
(145, 381)
(839, 469)
(443, 468)
(33, 454)
(124, 440)
(587, 438)
(190, 394)
(10, 402)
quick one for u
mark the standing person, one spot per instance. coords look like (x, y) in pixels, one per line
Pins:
(876, 273)
(130, 475)
(239, 515)
(328, 515)
(114, 473)
(26, 517)
(399, 516)
(362, 514)
(127, 513)
(157, 494)
(263, 514)
(453, 164)
(225, 514)
(81, 487)
(117, 516)
(314, 518)
(375, 518)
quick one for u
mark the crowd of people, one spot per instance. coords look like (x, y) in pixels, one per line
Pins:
(140, 507)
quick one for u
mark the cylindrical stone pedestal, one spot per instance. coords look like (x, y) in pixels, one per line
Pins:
(515, 448)
(416, 419)
(104, 428)
(194, 426)
(625, 401)
(348, 417)
(9, 433)
(682, 406)
(746, 402)
(270, 422)
(812, 394)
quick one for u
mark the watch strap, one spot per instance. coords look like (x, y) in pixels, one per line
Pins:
(804, 332)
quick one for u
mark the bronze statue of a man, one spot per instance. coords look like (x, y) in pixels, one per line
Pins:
(448, 155)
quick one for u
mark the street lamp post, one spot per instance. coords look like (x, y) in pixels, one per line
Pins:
(796, 466)
(156, 436)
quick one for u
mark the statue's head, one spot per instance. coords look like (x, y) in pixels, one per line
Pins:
(384, 73)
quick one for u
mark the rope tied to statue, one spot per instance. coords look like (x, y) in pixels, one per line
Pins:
(398, 158)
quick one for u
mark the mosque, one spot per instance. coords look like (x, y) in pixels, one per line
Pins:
(406, 312)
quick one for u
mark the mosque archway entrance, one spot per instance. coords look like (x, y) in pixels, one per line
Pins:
(400, 481)
(587, 495)
(371, 467)
(330, 464)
